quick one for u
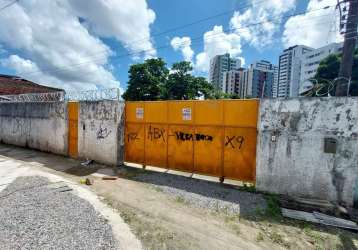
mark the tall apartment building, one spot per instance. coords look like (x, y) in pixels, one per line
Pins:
(220, 64)
(275, 81)
(258, 80)
(310, 61)
(232, 80)
(289, 72)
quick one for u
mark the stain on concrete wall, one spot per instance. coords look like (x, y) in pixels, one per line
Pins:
(40, 126)
(101, 131)
(356, 195)
(292, 156)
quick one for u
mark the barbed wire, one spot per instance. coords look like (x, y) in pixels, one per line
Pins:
(60, 96)
(324, 87)
(34, 97)
(93, 95)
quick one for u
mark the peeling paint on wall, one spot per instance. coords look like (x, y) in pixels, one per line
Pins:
(296, 162)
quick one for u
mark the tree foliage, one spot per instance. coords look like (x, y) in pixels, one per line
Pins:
(145, 80)
(328, 70)
(152, 80)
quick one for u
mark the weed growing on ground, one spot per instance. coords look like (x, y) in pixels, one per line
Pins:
(236, 228)
(259, 211)
(158, 189)
(180, 199)
(259, 237)
(277, 238)
(273, 209)
(316, 237)
(248, 188)
(232, 218)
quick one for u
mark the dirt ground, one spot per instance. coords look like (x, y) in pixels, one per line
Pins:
(162, 221)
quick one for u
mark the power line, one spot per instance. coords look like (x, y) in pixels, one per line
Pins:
(66, 68)
(128, 44)
(8, 5)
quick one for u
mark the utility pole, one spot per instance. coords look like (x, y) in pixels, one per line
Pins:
(350, 38)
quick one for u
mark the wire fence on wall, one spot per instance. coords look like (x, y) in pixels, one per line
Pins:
(88, 95)
(325, 87)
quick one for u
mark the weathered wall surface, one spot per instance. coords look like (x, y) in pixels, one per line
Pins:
(100, 131)
(40, 126)
(291, 155)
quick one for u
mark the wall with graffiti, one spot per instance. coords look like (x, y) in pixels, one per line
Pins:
(40, 126)
(212, 137)
(100, 129)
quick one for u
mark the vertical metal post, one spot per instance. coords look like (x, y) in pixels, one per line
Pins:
(350, 38)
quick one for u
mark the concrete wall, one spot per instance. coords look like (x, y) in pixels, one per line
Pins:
(100, 131)
(40, 126)
(291, 158)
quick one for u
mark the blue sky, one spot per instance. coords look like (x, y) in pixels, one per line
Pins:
(83, 45)
(177, 13)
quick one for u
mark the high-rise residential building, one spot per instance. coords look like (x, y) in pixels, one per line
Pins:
(220, 64)
(275, 81)
(258, 80)
(310, 61)
(232, 80)
(289, 71)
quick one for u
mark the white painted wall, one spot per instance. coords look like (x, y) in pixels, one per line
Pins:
(290, 151)
(100, 131)
(41, 126)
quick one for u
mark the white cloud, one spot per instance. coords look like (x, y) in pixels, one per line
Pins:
(183, 44)
(58, 49)
(267, 15)
(217, 42)
(258, 24)
(316, 28)
(128, 21)
(97, 77)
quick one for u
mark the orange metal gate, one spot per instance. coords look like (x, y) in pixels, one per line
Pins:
(212, 137)
(72, 108)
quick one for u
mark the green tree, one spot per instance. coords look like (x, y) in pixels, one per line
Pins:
(328, 70)
(181, 85)
(152, 80)
(146, 80)
(178, 85)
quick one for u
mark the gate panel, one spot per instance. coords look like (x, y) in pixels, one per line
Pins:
(180, 148)
(156, 145)
(134, 143)
(240, 153)
(156, 112)
(207, 150)
(209, 113)
(72, 108)
(241, 113)
(180, 112)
